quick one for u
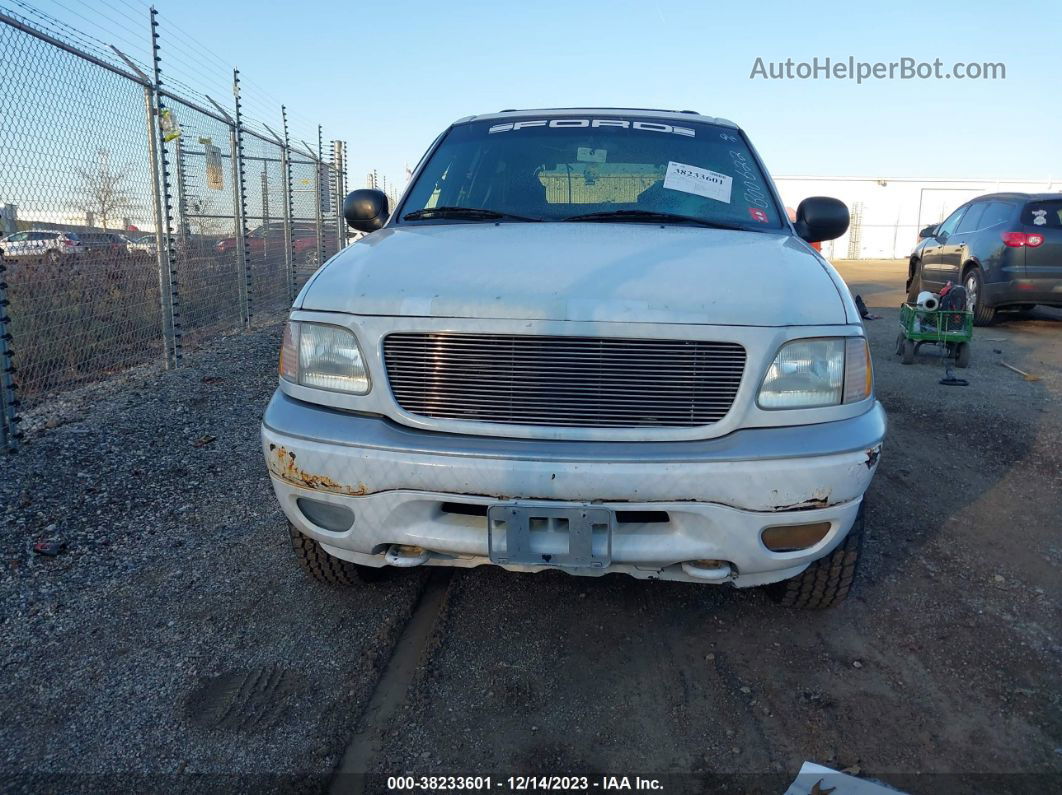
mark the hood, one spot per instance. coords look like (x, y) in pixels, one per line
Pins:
(582, 272)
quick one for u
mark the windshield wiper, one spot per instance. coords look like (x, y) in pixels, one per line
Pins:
(652, 215)
(470, 213)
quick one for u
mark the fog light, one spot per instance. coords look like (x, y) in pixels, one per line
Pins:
(326, 514)
(708, 569)
(406, 556)
(794, 537)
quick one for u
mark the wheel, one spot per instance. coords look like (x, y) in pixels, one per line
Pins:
(908, 351)
(332, 570)
(974, 284)
(53, 258)
(915, 285)
(899, 343)
(962, 354)
(827, 581)
(319, 564)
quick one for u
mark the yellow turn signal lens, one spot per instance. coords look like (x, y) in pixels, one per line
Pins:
(794, 537)
(289, 352)
(858, 370)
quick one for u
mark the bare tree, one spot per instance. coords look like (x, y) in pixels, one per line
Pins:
(104, 190)
(205, 218)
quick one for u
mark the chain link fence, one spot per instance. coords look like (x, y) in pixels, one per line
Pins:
(206, 225)
(137, 222)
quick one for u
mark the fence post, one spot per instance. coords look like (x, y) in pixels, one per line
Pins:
(240, 188)
(9, 419)
(340, 219)
(289, 198)
(317, 202)
(236, 217)
(339, 167)
(163, 204)
(240, 260)
(161, 256)
(182, 192)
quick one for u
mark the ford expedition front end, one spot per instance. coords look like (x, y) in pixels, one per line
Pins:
(587, 340)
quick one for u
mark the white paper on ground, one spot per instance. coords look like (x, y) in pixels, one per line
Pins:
(701, 181)
(817, 779)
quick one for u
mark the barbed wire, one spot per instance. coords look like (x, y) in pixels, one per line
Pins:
(186, 61)
(38, 19)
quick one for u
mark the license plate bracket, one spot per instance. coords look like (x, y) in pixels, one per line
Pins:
(569, 537)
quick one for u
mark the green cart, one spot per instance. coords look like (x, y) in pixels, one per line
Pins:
(950, 328)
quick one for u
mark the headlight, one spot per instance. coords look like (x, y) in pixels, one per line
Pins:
(322, 356)
(818, 372)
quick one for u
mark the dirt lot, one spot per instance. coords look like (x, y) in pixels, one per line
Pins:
(174, 635)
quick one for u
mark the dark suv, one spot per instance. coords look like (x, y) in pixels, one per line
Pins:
(1005, 248)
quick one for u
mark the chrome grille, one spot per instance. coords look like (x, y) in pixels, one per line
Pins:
(584, 382)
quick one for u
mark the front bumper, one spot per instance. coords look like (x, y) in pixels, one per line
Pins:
(401, 485)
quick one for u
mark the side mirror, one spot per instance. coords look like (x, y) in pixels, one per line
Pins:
(366, 209)
(821, 218)
(929, 231)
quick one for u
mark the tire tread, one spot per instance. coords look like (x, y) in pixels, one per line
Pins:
(983, 315)
(319, 564)
(826, 582)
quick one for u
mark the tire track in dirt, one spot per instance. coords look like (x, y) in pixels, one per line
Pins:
(391, 688)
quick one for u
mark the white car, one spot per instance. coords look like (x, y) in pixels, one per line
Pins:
(142, 244)
(587, 340)
(41, 244)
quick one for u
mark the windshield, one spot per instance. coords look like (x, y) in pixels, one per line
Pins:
(560, 168)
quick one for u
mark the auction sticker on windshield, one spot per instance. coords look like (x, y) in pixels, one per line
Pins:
(701, 181)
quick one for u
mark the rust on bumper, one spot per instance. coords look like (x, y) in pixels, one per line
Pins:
(282, 463)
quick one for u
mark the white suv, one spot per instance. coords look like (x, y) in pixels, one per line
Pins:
(588, 340)
(43, 244)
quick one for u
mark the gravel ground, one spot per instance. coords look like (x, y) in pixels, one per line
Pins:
(175, 634)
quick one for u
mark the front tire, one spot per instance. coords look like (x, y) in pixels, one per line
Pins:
(319, 564)
(914, 287)
(332, 570)
(827, 581)
(974, 283)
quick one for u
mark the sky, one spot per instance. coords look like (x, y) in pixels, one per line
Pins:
(387, 77)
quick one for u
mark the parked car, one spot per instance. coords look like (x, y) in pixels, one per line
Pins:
(1005, 248)
(41, 244)
(103, 245)
(143, 245)
(586, 340)
(270, 237)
